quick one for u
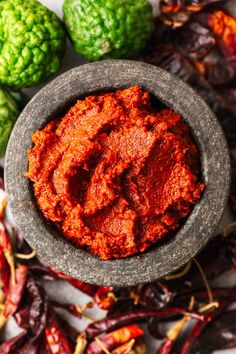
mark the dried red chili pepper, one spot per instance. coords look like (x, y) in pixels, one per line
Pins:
(5, 245)
(155, 295)
(198, 328)
(14, 295)
(38, 311)
(191, 5)
(42, 346)
(194, 40)
(177, 12)
(111, 323)
(13, 345)
(53, 274)
(166, 55)
(22, 317)
(71, 332)
(56, 338)
(218, 335)
(217, 257)
(200, 325)
(105, 298)
(220, 72)
(114, 339)
(31, 316)
(4, 272)
(174, 332)
(223, 25)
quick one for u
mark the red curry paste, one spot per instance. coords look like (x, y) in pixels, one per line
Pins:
(115, 175)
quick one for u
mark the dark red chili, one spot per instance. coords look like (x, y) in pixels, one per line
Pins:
(105, 298)
(200, 325)
(14, 295)
(5, 245)
(56, 338)
(85, 288)
(114, 339)
(12, 345)
(4, 272)
(108, 324)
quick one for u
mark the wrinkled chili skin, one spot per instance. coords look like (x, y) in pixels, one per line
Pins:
(115, 339)
(4, 272)
(115, 175)
(56, 338)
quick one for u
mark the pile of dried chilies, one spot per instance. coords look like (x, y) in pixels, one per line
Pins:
(196, 40)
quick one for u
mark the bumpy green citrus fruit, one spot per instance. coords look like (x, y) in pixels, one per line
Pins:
(32, 43)
(103, 29)
(8, 116)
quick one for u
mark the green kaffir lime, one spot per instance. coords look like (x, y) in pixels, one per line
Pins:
(8, 116)
(103, 29)
(32, 43)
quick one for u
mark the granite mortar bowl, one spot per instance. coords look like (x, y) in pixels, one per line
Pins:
(161, 259)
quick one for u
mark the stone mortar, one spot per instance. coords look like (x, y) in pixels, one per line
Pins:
(161, 259)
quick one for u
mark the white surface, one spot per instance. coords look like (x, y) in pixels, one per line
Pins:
(61, 291)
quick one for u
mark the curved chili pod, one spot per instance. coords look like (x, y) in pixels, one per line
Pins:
(56, 338)
(114, 339)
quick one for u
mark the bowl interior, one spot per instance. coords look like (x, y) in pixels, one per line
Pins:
(52, 101)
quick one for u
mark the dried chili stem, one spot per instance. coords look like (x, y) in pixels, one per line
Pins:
(208, 307)
(228, 228)
(174, 332)
(181, 273)
(25, 256)
(112, 296)
(135, 296)
(10, 260)
(2, 297)
(204, 278)
(81, 344)
(102, 345)
(80, 310)
(87, 306)
(125, 348)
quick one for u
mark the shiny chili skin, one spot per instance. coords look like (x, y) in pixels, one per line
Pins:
(88, 289)
(114, 339)
(166, 346)
(14, 294)
(111, 323)
(105, 298)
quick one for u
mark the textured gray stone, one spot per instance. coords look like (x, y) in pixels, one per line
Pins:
(162, 259)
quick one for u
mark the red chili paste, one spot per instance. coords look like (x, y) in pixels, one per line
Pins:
(115, 175)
